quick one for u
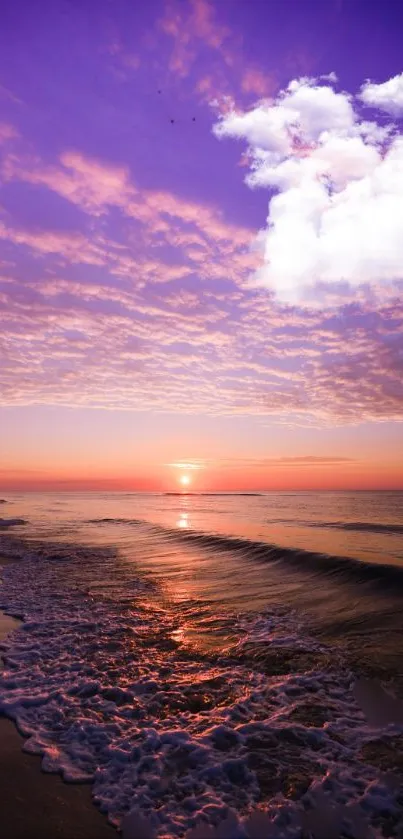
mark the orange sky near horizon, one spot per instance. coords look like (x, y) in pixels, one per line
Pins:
(72, 450)
(281, 475)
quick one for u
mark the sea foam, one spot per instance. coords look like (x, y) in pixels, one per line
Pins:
(261, 739)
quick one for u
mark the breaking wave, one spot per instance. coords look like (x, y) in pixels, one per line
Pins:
(345, 568)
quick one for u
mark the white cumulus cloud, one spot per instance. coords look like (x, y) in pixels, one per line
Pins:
(387, 96)
(336, 186)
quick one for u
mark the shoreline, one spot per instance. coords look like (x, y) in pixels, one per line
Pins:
(34, 803)
(351, 708)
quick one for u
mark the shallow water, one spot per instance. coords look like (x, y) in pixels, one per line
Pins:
(204, 657)
(364, 525)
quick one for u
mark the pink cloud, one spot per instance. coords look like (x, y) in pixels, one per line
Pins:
(7, 132)
(258, 83)
(206, 240)
(195, 351)
(194, 27)
(83, 181)
(182, 55)
(205, 25)
(72, 246)
(143, 336)
(187, 25)
(214, 88)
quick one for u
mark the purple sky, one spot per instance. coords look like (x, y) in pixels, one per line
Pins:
(134, 333)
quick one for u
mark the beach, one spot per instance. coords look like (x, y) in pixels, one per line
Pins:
(33, 803)
(190, 671)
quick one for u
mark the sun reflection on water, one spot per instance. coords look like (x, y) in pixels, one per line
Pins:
(183, 521)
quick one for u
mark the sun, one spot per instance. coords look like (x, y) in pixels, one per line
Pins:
(184, 480)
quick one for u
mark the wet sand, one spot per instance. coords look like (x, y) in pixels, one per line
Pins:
(34, 804)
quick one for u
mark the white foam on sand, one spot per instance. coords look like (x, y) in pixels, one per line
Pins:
(176, 742)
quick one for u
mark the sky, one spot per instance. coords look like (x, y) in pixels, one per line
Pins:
(201, 245)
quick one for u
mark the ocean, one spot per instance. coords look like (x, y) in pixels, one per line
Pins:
(215, 665)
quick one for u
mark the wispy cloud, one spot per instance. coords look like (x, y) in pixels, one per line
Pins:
(190, 26)
(7, 132)
(196, 31)
(260, 85)
(188, 465)
(204, 240)
(257, 463)
(73, 247)
(314, 460)
(162, 316)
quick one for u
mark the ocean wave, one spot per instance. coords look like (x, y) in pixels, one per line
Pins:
(118, 520)
(335, 566)
(103, 688)
(346, 568)
(359, 526)
(5, 523)
(367, 527)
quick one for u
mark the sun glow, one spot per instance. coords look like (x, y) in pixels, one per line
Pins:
(184, 480)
